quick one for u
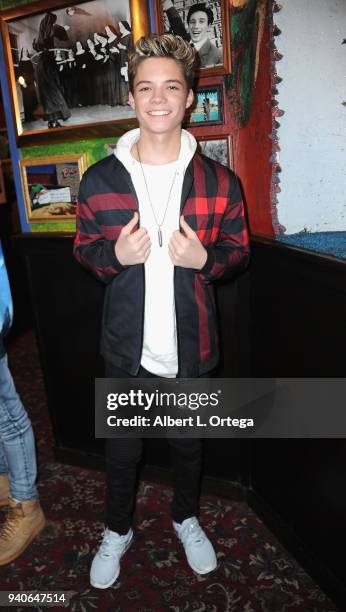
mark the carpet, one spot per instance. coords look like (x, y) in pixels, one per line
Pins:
(254, 573)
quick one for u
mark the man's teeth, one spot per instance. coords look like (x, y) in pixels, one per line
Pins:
(159, 113)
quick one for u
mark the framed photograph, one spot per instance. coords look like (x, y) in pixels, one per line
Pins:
(67, 64)
(218, 148)
(207, 108)
(50, 186)
(203, 24)
(2, 187)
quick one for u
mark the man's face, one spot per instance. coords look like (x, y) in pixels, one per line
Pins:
(198, 26)
(160, 95)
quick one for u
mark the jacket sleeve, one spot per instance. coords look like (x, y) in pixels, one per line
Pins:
(176, 24)
(91, 248)
(232, 251)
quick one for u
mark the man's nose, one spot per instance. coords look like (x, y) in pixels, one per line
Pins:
(158, 95)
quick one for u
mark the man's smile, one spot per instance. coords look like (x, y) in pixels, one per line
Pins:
(159, 113)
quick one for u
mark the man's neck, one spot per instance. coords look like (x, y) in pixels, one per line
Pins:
(200, 44)
(157, 149)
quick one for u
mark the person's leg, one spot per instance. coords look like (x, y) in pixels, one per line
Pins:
(187, 466)
(122, 456)
(25, 518)
(17, 439)
(4, 482)
(186, 456)
(186, 459)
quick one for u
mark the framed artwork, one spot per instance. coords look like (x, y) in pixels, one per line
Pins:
(203, 24)
(50, 186)
(207, 108)
(2, 187)
(67, 64)
(218, 148)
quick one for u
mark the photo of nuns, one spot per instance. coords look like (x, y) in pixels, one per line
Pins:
(71, 64)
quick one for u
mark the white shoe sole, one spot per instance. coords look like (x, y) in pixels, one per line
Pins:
(98, 585)
(202, 572)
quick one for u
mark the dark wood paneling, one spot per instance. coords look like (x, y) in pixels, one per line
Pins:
(298, 322)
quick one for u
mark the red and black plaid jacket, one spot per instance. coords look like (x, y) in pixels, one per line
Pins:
(211, 204)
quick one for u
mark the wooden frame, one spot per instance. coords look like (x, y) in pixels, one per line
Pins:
(221, 17)
(25, 21)
(44, 204)
(223, 155)
(202, 115)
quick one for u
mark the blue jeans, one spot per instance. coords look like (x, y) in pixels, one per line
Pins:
(17, 445)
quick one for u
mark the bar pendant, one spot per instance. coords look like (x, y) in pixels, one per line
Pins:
(159, 233)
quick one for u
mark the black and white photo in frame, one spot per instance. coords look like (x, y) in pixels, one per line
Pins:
(71, 64)
(218, 149)
(200, 23)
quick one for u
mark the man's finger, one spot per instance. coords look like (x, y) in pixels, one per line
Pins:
(138, 234)
(178, 239)
(144, 241)
(127, 229)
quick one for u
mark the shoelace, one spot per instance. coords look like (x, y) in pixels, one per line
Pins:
(111, 544)
(192, 534)
(9, 527)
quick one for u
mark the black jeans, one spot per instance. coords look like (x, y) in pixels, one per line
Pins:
(122, 457)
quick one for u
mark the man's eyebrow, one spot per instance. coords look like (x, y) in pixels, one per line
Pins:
(167, 81)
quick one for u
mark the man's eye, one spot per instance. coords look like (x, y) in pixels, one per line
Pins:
(172, 87)
(144, 88)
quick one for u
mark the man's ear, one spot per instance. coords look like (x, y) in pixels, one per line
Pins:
(189, 99)
(131, 101)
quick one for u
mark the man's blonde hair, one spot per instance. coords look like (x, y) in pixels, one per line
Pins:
(164, 45)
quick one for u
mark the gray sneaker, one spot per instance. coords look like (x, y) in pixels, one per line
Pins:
(199, 550)
(105, 567)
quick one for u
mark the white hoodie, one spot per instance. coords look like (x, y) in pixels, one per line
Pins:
(159, 354)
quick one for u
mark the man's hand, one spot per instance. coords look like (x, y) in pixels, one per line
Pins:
(132, 248)
(187, 252)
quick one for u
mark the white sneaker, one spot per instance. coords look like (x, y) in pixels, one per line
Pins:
(105, 567)
(199, 550)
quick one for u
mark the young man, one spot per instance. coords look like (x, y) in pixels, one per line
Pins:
(157, 222)
(199, 19)
(18, 472)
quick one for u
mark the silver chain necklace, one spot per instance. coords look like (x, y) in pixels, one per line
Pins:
(159, 225)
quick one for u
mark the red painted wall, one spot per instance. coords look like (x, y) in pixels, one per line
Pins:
(253, 148)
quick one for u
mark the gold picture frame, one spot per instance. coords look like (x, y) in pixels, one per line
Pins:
(87, 51)
(50, 186)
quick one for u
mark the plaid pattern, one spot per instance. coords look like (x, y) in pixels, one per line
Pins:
(212, 205)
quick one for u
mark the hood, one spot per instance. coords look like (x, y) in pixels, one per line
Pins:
(125, 142)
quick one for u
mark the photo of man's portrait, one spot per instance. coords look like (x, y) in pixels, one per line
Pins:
(200, 24)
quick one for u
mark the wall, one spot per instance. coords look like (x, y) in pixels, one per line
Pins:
(312, 133)
(253, 147)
